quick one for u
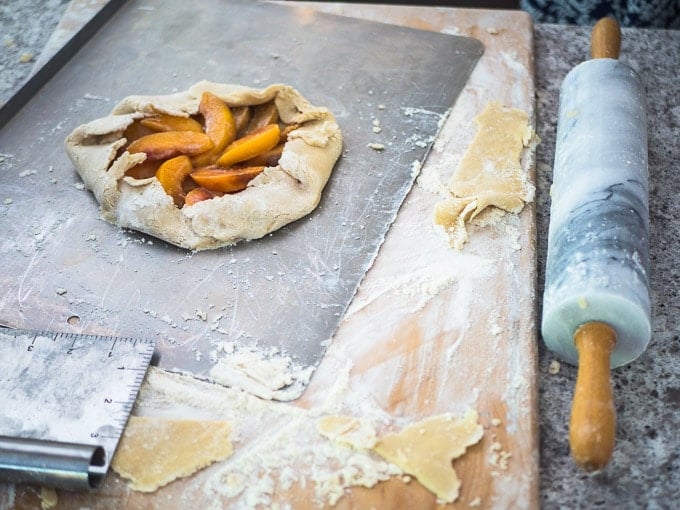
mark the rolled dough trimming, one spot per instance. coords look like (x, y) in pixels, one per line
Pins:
(490, 173)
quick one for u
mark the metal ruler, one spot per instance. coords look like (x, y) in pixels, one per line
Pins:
(65, 401)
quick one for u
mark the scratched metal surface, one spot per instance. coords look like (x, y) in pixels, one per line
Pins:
(286, 292)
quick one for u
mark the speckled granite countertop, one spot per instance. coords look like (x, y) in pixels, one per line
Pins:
(645, 469)
(25, 28)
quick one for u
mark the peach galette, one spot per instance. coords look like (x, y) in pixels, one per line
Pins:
(209, 166)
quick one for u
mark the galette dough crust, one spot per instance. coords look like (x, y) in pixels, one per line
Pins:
(276, 197)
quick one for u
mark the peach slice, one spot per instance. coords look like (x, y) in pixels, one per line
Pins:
(269, 158)
(136, 130)
(163, 122)
(197, 195)
(250, 145)
(225, 180)
(242, 116)
(133, 132)
(168, 144)
(263, 114)
(286, 130)
(171, 175)
(144, 170)
(219, 126)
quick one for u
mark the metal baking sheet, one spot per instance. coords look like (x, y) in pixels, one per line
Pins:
(64, 269)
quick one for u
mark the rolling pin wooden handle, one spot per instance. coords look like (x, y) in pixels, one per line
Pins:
(593, 416)
(605, 40)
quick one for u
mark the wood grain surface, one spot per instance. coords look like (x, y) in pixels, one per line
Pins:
(432, 330)
(474, 343)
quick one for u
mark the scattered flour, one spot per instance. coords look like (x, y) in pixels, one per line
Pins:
(279, 448)
(270, 375)
(276, 446)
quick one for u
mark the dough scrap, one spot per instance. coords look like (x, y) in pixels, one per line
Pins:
(278, 196)
(154, 451)
(425, 450)
(348, 430)
(268, 375)
(48, 498)
(490, 172)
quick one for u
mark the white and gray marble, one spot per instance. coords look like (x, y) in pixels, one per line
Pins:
(597, 267)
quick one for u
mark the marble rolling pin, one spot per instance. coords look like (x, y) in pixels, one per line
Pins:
(596, 305)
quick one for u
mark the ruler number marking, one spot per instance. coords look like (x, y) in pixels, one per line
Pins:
(72, 348)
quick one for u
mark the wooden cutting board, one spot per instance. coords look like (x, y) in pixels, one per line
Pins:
(473, 342)
(432, 330)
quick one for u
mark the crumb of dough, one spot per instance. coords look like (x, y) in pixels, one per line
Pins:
(498, 457)
(554, 367)
(48, 498)
(25, 58)
(347, 430)
(376, 146)
(265, 375)
(425, 450)
(490, 173)
(154, 451)
(496, 422)
(475, 502)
